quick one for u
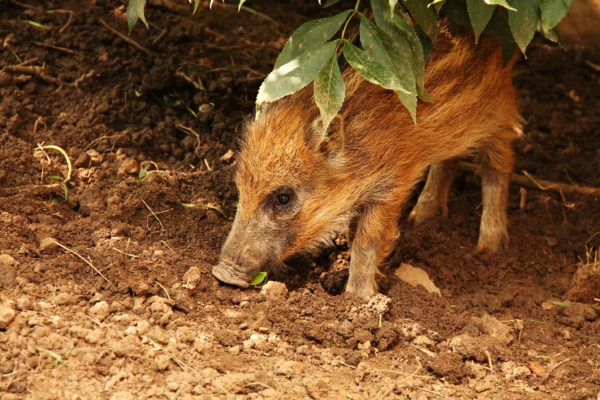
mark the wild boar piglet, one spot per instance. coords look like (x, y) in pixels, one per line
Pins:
(297, 185)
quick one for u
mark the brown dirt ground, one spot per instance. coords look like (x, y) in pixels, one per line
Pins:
(160, 327)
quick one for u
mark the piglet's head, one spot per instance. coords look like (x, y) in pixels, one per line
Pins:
(287, 179)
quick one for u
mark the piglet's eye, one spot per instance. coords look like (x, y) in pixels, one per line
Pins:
(283, 199)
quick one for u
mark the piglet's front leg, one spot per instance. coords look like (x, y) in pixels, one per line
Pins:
(376, 233)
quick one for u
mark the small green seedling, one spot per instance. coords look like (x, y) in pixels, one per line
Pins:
(260, 277)
(36, 24)
(58, 360)
(560, 303)
(62, 181)
(143, 175)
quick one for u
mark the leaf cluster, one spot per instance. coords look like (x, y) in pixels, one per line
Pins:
(395, 39)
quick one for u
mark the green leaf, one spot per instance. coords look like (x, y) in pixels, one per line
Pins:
(366, 65)
(560, 303)
(258, 279)
(553, 11)
(196, 4)
(426, 17)
(389, 53)
(501, 3)
(524, 22)
(394, 56)
(403, 34)
(135, 11)
(329, 91)
(480, 14)
(498, 27)
(409, 100)
(309, 36)
(143, 175)
(295, 74)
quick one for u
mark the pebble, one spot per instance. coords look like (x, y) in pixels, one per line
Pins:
(63, 299)
(7, 316)
(7, 261)
(8, 272)
(94, 336)
(100, 310)
(47, 244)
(274, 289)
(162, 362)
(191, 278)
(24, 303)
(122, 395)
(285, 367)
(129, 166)
(345, 328)
(423, 340)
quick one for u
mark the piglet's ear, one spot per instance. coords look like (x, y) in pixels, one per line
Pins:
(330, 141)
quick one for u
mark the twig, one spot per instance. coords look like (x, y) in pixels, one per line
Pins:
(125, 254)
(162, 227)
(36, 71)
(489, 358)
(84, 78)
(51, 46)
(84, 260)
(593, 66)
(530, 182)
(163, 288)
(125, 37)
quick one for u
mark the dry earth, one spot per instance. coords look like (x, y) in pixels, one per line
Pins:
(148, 321)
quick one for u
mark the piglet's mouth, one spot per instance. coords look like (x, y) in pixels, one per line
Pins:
(229, 273)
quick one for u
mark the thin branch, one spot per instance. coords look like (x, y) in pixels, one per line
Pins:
(125, 37)
(530, 182)
(84, 260)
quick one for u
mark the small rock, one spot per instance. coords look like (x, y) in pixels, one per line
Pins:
(96, 157)
(129, 166)
(162, 362)
(491, 326)
(99, 310)
(423, 340)
(285, 368)
(345, 328)
(191, 278)
(83, 160)
(8, 271)
(24, 303)
(547, 306)
(63, 299)
(122, 395)
(7, 316)
(362, 335)
(235, 350)
(178, 380)
(7, 261)
(94, 336)
(274, 289)
(47, 244)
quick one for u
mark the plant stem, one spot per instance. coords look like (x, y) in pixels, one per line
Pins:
(343, 37)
